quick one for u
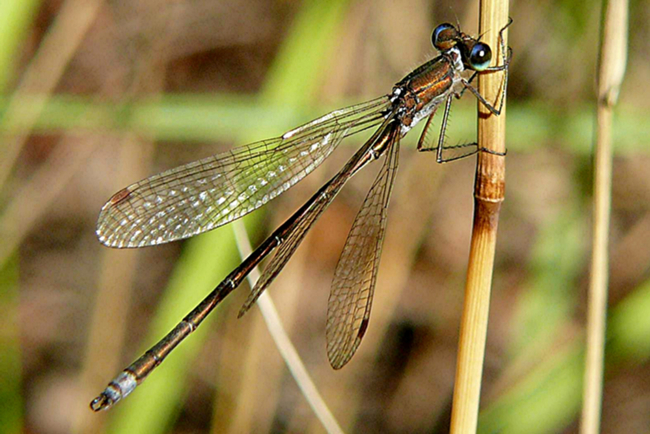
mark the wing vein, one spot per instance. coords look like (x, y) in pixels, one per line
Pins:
(208, 193)
(356, 272)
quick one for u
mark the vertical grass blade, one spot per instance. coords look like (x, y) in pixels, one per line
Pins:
(611, 68)
(488, 194)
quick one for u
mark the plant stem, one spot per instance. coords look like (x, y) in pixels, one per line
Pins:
(611, 69)
(488, 194)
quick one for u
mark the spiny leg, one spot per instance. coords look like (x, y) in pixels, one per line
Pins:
(504, 84)
(472, 148)
(504, 87)
(440, 148)
(422, 141)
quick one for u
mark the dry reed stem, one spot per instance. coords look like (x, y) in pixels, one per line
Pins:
(258, 393)
(283, 343)
(488, 195)
(611, 69)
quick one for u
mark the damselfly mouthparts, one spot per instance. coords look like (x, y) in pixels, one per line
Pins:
(203, 195)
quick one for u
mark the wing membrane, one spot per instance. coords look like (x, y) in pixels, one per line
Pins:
(353, 287)
(295, 233)
(289, 246)
(211, 192)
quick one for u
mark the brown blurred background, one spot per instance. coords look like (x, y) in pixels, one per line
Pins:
(98, 94)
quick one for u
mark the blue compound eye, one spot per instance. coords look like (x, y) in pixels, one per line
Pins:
(444, 36)
(480, 56)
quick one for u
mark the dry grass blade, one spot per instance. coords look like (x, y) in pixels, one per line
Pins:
(43, 74)
(488, 192)
(284, 345)
(611, 68)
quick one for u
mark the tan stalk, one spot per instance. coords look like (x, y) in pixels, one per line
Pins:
(283, 343)
(488, 194)
(611, 68)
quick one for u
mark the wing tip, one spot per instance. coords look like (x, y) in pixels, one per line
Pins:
(339, 360)
(340, 356)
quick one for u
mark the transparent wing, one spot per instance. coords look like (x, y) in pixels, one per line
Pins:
(295, 233)
(353, 287)
(211, 192)
(288, 247)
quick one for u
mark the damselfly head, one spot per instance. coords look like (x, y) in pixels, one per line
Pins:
(445, 36)
(476, 55)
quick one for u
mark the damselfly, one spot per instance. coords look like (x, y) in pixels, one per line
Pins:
(203, 195)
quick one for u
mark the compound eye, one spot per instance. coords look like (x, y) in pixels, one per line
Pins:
(480, 56)
(444, 36)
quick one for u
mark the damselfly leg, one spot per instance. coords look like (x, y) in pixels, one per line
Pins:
(445, 153)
